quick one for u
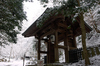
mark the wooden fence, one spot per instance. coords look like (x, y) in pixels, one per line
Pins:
(77, 54)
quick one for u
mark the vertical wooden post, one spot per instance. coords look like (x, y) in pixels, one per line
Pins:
(88, 50)
(39, 44)
(74, 40)
(93, 53)
(97, 50)
(67, 49)
(56, 47)
(48, 50)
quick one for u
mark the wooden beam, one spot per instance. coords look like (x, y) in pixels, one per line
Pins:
(70, 35)
(47, 33)
(47, 22)
(44, 52)
(61, 30)
(45, 29)
(72, 48)
(66, 47)
(49, 27)
(61, 40)
(62, 25)
(62, 47)
(61, 37)
(77, 32)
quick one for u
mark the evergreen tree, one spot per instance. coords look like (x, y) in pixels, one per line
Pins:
(76, 8)
(11, 17)
(93, 18)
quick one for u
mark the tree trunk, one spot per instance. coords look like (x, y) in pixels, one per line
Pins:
(87, 62)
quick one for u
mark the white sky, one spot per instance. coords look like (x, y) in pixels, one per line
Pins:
(34, 10)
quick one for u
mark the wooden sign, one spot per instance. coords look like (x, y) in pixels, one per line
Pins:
(40, 63)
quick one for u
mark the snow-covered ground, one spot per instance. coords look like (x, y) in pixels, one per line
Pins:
(12, 63)
(95, 61)
(15, 62)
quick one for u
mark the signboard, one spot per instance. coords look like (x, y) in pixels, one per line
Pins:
(40, 63)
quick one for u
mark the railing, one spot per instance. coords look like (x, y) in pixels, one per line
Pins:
(77, 54)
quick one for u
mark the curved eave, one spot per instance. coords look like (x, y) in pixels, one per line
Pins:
(33, 29)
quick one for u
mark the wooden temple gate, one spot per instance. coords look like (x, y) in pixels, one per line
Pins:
(61, 29)
(60, 34)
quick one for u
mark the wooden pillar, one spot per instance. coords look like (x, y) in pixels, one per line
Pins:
(74, 40)
(39, 44)
(67, 49)
(56, 47)
(48, 50)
